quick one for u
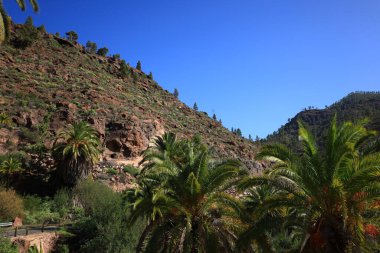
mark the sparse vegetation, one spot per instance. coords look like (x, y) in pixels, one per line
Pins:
(102, 51)
(138, 65)
(176, 93)
(72, 36)
(11, 205)
(91, 47)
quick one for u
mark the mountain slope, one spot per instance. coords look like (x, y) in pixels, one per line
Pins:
(353, 107)
(53, 82)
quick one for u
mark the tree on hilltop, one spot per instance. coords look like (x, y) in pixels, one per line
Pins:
(72, 36)
(138, 65)
(176, 93)
(91, 47)
(103, 51)
(195, 107)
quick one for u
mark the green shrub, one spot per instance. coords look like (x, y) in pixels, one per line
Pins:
(91, 47)
(11, 205)
(29, 21)
(6, 246)
(104, 227)
(124, 69)
(112, 171)
(25, 37)
(62, 248)
(131, 170)
(42, 29)
(38, 210)
(138, 65)
(103, 51)
(72, 36)
(62, 202)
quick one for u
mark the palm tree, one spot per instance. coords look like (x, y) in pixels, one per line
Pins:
(267, 230)
(5, 21)
(185, 202)
(4, 119)
(331, 187)
(9, 168)
(76, 150)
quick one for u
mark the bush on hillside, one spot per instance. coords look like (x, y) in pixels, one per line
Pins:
(104, 227)
(11, 205)
(131, 170)
(72, 36)
(25, 37)
(124, 69)
(6, 246)
(91, 47)
(103, 51)
(39, 210)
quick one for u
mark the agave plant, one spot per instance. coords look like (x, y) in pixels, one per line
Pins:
(185, 202)
(76, 150)
(331, 187)
(5, 21)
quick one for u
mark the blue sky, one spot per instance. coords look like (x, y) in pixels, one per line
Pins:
(253, 63)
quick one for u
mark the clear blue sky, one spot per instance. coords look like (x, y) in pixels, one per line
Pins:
(253, 63)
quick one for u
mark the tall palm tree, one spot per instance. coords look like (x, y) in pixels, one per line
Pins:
(331, 187)
(185, 203)
(76, 150)
(5, 21)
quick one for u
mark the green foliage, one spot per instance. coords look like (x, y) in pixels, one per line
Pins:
(116, 56)
(91, 47)
(138, 65)
(34, 249)
(214, 117)
(76, 150)
(5, 20)
(112, 171)
(124, 69)
(39, 210)
(62, 248)
(182, 194)
(131, 170)
(330, 187)
(103, 51)
(9, 167)
(25, 37)
(11, 205)
(195, 107)
(41, 28)
(353, 107)
(104, 227)
(6, 246)
(72, 36)
(150, 76)
(176, 93)
(29, 21)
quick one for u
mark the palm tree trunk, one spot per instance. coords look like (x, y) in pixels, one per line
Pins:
(144, 234)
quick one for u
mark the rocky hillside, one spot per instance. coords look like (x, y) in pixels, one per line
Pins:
(355, 106)
(49, 82)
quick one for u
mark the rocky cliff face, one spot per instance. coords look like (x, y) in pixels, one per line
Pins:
(55, 82)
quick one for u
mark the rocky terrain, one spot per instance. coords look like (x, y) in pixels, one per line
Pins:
(54, 82)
